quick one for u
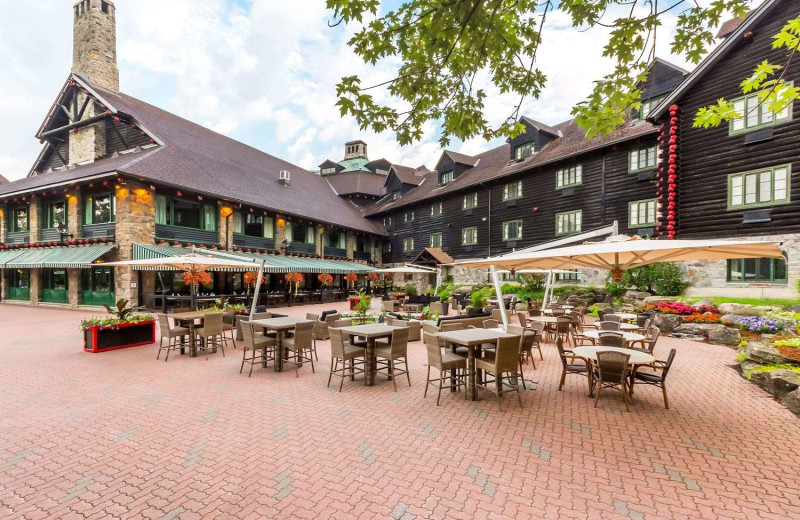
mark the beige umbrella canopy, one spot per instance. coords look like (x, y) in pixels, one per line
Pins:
(188, 262)
(623, 253)
(409, 269)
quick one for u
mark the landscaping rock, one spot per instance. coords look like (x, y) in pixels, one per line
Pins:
(722, 335)
(760, 379)
(637, 295)
(792, 402)
(603, 306)
(667, 322)
(694, 329)
(738, 308)
(782, 381)
(705, 302)
(688, 337)
(731, 318)
(793, 308)
(749, 365)
(656, 299)
(764, 353)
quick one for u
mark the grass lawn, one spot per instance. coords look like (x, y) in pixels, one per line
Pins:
(784, 302)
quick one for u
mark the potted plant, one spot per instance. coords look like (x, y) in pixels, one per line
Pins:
(294, 278)
(478, 301)
(324, 280)
(362, 307)
(444, 298)
(124, 329)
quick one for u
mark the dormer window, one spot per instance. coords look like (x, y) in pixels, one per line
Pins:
(524, 150)
(648, 105)
(445, 177)
(326, 171)
(395, 194)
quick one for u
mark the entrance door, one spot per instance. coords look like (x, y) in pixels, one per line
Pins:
(54, 286)
(19, 284)
(98, 286)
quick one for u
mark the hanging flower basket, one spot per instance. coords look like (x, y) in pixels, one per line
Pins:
(294, 278)
(351, 278)
(372, 277)
(197, 277)
(325, 279)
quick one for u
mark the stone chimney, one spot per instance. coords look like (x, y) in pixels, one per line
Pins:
(355, 149)
(94, 46)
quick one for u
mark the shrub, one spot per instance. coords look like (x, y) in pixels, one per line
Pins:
(478, 300)
(664, 278)
(793, 343)
(683, 309)
(531, 282)
(411, 289)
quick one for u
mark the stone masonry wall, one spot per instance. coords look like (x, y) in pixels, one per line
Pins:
(94, 44)
(135, 223)
(89, 143)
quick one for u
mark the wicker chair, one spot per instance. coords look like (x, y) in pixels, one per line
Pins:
(490, 324)
(321, 330)
(228, 321)
(579, 339)
(538, 328)
(171, 333)
(641, 319)
(612, 372)
(607, 325)
(648, 344)
(658, 380)
(534, 312)
(302, 345)
(601, 315)
(397, 352)
(211, 330)
(436, 307)
(257, 349)
(568, 365)
(346, 354)
(390, 305)
(612, 339)
(314, 318)
(613, 317)
(443, 362)
(450, 327)
(524, 347)
(503, 367)
(563, 327)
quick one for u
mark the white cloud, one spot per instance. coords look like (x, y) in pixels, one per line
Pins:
(265, 75)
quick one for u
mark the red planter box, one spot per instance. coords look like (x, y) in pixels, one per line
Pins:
(124, 335)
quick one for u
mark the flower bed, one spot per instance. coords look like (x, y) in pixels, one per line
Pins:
(789, 348)
(114, 333)
(680, 308)
(706, 317)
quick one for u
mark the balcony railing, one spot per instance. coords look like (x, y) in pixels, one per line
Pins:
(255, 242)
(18, 237)
(98, 230)
(297, 247)
(335, 251)
(185, 234)
(362, 255)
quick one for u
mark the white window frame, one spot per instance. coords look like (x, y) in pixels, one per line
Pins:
(569, 222)
(469, 236)
(446, 177)
(756, 115)
(436, 210)
(507, 226)
(524, 150)
(569, 176)
(432, 242)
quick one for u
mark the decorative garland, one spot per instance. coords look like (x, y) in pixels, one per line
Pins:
(66, 243)
(667, 176)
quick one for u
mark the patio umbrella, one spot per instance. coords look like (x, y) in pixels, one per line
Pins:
(619, 253)
(194, 262)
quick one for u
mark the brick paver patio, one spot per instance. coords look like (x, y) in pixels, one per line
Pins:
(121, 435)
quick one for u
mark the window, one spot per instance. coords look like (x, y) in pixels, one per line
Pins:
(436, 240)
(445, 177)
(258, 226)
(512, 190)
(326, 171)
(18, 222)
(648, 105)
(469, 236)
(642, 159)
(754, 270)
(387, 222)
(571, 276)
(336, 240)
(395, 194)
(408, 216)
(300, 233)
(512, 230)
(571, 176)
(642, 213)
(381, 171)
(522, 151)
(759, 188)
(408, 244)
(55, 213)
(568, 222)
(470, 200)
(190, 214)
(363, 245)
(436, 210)
(756, 114)
(99, 209)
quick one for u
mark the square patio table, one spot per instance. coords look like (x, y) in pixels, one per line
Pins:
(189, 319)
(372, 332)
(472, 338)
(281, 326)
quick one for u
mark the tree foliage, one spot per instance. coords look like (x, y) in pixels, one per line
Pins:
(446, 48)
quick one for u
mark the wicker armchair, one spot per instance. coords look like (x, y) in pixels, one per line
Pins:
(648, 344)
(257, 348)
(435, 307)
(579, 339)
(172, 334)
(524, 347)
(607, 325)
(503, 367)
(612, 339)
(414, 328)
(302, 345)
(346, 354)
(534, 312)
(228, 322)
(397, 352)
(443, 362)
(612, 372)
(390, 305)
(569, 365)
(658, 380)
(490, 324)
(210, 331)
(537, 327)
(321, 331)
(563, 327)
(613, 317)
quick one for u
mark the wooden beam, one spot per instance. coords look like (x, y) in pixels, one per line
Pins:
(85, 122)
(64, 109)
(116, 130)
(83, 108)
(55, 149)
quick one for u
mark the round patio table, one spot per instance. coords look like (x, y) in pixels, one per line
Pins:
(627, 316)
(629, 336)
(589, 353)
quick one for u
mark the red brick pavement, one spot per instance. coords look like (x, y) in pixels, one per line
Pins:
(121, 435)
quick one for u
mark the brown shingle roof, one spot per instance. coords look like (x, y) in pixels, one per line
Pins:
(728, 27)
(541, 126)
(408, 175)
(3, 180)
(495, 163)
(357, 182)
(198, 159)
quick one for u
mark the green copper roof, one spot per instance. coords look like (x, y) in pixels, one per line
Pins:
(356, 164)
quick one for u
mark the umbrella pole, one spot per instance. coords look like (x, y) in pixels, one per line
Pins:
(192, 299)
(258, 289)
(548, 287)
(499, 292)
(163, 294)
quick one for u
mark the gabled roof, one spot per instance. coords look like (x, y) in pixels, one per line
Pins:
(3, 180)
(752, 18)
(540, 126)
(460, 158)
(350, 183)
(495, 164)
(198, 159)
(432, 253)
(728, 27)
(408, 175)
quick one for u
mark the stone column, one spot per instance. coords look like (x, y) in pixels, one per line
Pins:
(377, 251)
(36, 288)
(320, 240)
(3, 225)
(135, 223)
(34, 221)
(225, 225)
(280, 232)
(74, 287)
(350, 244)
(74, 213)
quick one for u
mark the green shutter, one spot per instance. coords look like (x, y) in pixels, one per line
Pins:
(161, 209)
(210, 217)
(87, 214)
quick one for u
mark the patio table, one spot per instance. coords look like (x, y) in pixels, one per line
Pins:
(630, 337)
(188, 319)
(280, 325)
(625, 316)
(589, 353)
(372, 332)
(472, 338)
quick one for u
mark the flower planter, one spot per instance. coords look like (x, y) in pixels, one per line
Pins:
(124, 335)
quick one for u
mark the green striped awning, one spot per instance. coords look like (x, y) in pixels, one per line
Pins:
(274, 263)
(7, 256)
(73, 257)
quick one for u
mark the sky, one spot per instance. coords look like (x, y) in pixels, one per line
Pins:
(255, 70)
